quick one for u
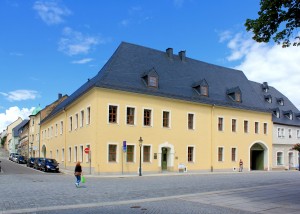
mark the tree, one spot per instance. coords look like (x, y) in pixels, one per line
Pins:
(276, 17)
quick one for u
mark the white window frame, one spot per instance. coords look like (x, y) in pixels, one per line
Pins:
(223, 123)
(61, 127)
(117, 153)
(162, 119)
(247, 131)
(118, 113)
(70, 123)
(150, 156)
(187, 153)
(267, 128)
(81, 152)
(194, 121)
(70, 154)
(151, 122)
(81, 118)
(135, 115)
(236, 154)
(290, 133)
(282, 158)
(236, 125)
(298, 133)
(75, 154)
(134, 153)
(258, 129)
(76, 121)
(223, 158)
(88, 115)
(62, 155)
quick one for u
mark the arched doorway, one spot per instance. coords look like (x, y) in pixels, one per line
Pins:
(166, 157)
(259, 157)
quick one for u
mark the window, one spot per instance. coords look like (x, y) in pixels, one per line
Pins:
(166, 119)
(82, 118)
(204, 90)
(237, 97)
(130, 154)
(298, 133)
(70, 121)
(81, 154)
(51, 154)
(280, 132)
(113, 114)
(233, 154)
(57, 155)
(88, 115)
(190, 154)
(63, 155)
(75, 154)
(279, 158)
(146, 153)
(290, 133)
(147, 117)
(130, 115)
(56, 129)
(265, 128)
(112, 153)
(233, 125)
(152, 81)
(220, 124)
(61, 127)
(220, 153)
(70, 154)
(190, 121)
(246, 129)
(76, 121)
(256, 127)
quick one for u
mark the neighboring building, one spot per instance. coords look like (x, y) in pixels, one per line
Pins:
(36, 116)
(286, 126)
(23, 146)
(189, 113)
(15, 140)
(8, 143)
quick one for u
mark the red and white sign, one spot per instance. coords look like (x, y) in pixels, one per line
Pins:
(87, 150)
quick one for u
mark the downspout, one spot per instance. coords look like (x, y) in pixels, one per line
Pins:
(211, 138)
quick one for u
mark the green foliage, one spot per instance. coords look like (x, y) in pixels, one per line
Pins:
(296, 147)
(280, 18)
(3, 141)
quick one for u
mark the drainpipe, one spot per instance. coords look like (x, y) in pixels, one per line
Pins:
(211, 138)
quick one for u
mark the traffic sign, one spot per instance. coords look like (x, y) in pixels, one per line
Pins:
(87, 150)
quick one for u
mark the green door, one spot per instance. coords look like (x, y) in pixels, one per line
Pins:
(164, 158)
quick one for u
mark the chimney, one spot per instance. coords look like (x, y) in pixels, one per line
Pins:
(59, 96)
(182, 55)
(169, 52)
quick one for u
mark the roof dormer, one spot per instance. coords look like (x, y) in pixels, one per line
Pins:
(265, 87)
(268, 98)
(201, 87)
(235, 94)
(288, 114)
(280, 101)
(150, 78)
(276, 112)
(297, 115)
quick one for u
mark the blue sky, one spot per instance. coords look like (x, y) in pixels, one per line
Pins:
(50, 47)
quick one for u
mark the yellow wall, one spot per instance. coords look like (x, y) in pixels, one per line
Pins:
(99, 133)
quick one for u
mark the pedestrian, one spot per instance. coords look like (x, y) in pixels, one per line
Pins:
(78, 173)
(241, 165)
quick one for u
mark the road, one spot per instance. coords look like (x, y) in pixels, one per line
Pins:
(24, 190)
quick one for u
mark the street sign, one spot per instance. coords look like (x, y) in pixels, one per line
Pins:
(87, 150)
(124, 146)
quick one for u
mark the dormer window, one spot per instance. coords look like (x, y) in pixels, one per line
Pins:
(201, 87)
(288, 114)
(297, 115)
(265, 87)
(268, 98)
(280, 101)
(235, 94)
(276, 112)
(150, 78)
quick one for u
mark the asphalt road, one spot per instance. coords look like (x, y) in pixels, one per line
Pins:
(24, 190)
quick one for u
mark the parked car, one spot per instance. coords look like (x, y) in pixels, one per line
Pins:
(21, 159)
(49, 164)
(11, 156)
(15, 158)
(30, 162)
(37, 163)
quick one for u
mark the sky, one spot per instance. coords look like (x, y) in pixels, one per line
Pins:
(49, 47)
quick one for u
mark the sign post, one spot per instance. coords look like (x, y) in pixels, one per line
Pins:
(124, 148)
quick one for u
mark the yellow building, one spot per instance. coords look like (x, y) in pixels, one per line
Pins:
(189, 114)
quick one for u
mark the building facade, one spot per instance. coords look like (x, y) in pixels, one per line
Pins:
(9, 143)
(189, 114)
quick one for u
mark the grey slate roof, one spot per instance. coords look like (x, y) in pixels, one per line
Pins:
(276, 95)
(125, 69)
(17, 129)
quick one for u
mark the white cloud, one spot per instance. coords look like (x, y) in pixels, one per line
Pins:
(82, 61)
(16, 54)
(12, 114)
(74, 42)
(268, 63)
(19, 95)
(50, 12)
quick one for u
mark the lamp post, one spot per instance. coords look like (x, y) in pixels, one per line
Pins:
(140, 144)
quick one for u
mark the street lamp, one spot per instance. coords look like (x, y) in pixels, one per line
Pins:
(140, 144)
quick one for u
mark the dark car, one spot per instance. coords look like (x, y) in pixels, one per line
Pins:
(49, 165)
(30, 162)
(21, 159)
(37, 163)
